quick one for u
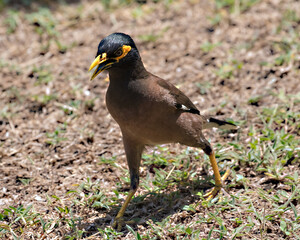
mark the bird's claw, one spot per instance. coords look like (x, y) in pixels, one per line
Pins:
(119, 223)
(211, 194)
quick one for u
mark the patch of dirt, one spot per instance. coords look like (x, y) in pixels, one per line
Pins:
(53, 134)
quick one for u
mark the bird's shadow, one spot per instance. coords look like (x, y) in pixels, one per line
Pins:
(151, 206)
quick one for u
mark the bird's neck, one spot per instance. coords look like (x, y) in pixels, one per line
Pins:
(128, 73)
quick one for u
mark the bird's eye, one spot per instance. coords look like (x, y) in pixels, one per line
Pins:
(119, 52)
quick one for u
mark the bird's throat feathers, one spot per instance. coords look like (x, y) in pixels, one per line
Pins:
(127, 72)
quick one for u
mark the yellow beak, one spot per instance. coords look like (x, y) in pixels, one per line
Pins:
(95, 63)
(104, 63)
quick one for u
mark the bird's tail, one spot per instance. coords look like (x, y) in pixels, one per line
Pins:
(212, 122)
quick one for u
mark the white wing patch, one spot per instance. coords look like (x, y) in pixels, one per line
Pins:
(185, 108)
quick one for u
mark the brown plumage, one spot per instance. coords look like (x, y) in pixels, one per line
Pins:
(149, 110)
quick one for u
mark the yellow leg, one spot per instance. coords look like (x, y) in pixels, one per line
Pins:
(119, 221)
(218, 179)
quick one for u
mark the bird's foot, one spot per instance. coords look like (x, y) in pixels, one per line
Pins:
(119, 223)
(211, 194)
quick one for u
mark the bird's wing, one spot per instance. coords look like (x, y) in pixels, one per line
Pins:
(213, 122)
(180, 100)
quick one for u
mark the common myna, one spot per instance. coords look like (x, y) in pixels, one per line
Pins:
(149, 110)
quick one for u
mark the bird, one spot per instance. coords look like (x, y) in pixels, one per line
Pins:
(149, 111)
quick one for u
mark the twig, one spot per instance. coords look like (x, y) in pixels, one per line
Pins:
(92, 236)
(170, 172)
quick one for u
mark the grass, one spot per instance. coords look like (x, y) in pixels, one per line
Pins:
(209, 46)
(227, 70)
(12, 21)
(45, 26)
(226, 8)
(269, 152)
(171, 178)
(42, 74)
(235, 6)
(54, 138)
(153, 37)
(44, 99)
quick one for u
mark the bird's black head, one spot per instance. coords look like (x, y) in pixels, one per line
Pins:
(116, 50)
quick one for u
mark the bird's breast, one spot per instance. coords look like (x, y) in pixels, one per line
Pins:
(125, 106)
(147, 117)
(139, 115)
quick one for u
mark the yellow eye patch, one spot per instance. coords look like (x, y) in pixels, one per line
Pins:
(125, 49)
